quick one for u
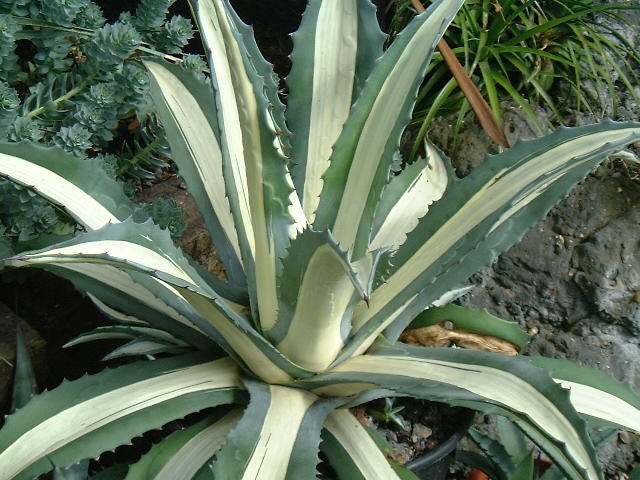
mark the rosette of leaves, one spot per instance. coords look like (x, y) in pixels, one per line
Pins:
(301, 331)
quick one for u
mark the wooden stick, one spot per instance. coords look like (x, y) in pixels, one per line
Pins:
(479, 105)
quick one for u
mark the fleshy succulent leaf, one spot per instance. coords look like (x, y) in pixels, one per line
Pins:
(236, 335)
(407, 198)
(183, 453)
(352, 452)
(92, 197)
(484, 381)
(345, 41)
(124, 332)
(186, 107)
(495, 450)
(363, 153)
(83, 418)
(603, 399)
(260, 448)
(147, 298)
(315, 271)
(142, 247)
(266, 209)
(143, 346)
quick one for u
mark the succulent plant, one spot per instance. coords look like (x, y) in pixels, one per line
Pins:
(327, 262)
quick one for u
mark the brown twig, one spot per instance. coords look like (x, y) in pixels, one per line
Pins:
(479, 105)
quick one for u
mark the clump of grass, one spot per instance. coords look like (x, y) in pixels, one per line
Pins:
(526, 51)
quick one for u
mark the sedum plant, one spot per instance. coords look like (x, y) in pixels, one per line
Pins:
(74, 85)
(329, 254)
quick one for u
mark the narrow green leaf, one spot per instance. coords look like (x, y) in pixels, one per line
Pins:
(472, 320)
(25, 385)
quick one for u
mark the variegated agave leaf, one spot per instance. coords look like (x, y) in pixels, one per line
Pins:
(322, 279)
(83, 418)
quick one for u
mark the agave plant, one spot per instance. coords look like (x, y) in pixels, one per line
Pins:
(328, 256)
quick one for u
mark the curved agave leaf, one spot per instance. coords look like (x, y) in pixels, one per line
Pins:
(265, 207)
(362, 155)
(90, 196)
(144, 346)
(407, 198)
(317, 289)
(83, 418)
(211, 316)
(255, 61)
(334, 51)
(502, 463)
(481, 380)
(602, 398)
(199, 306)
(261, 449)
(113, 314)
(182, 454)
(152, 301)
(186, 108)
(124, 332)
(485, 214)
(144, 247)
(352, 452)
(234, 334)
